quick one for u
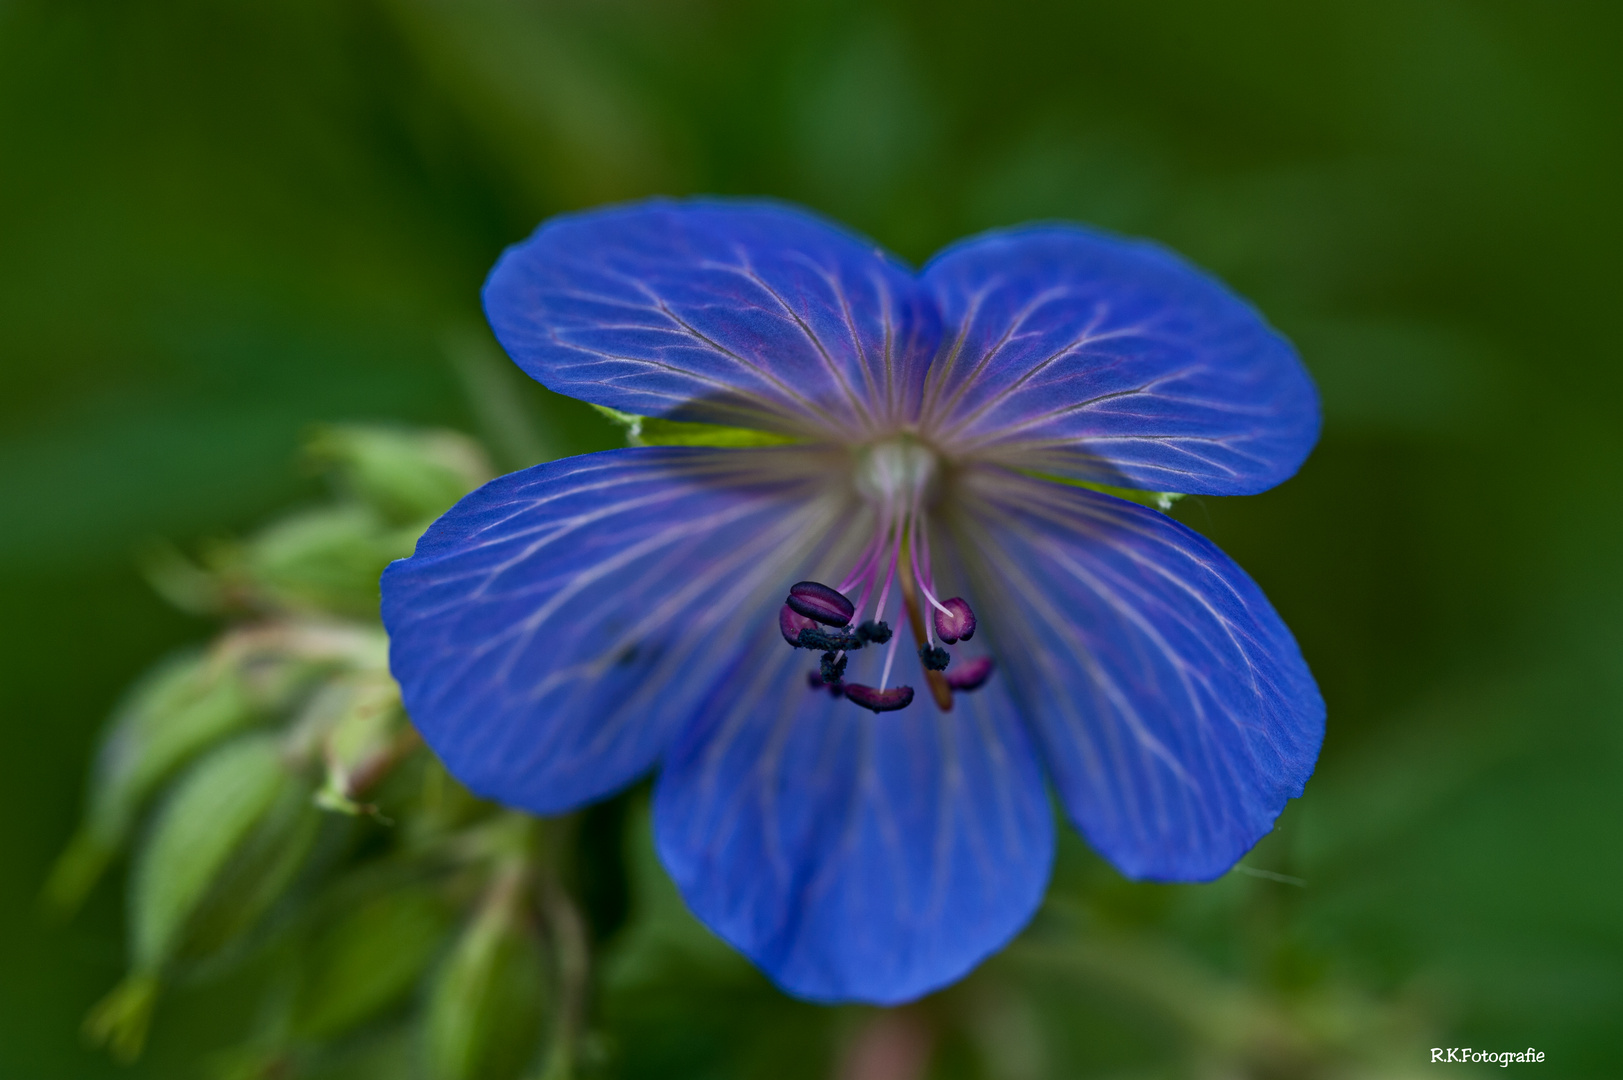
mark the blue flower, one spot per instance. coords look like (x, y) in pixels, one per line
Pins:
(864, 811)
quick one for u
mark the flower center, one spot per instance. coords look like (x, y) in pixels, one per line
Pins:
(900, 477)
(897, 471)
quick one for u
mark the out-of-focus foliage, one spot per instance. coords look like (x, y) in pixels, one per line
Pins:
(221, 223)
(323, 852)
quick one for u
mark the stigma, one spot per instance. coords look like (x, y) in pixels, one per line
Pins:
(892, 578)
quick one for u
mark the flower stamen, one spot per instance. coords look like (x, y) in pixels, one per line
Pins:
(817, 601)
(939, 690)
(971, 674)
(955, 621)
(879, 700)
(897, 477)
(890, 660)
(791, 623)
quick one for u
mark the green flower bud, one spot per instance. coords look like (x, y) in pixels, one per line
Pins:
(366, 734)
(184, 706)
(174, 712)
(224, 845)
(489, 1002)
(406, 476)
(325, 560)
(120, 1020)
(368, 960)
(256, 875)
(215, 811)
(322, 644)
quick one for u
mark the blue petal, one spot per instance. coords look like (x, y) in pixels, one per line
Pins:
(750, 314)
(558, 626)
(855, 857)
(1172, 706)
(1072, 352)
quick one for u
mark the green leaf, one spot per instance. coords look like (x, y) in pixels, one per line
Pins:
(215, 806)
(1156, 500)
(405, 475)
(254, 878)
(678, 1001)
(489, 1002)
(630, 423)
(326, 560)
(368, 960)
(120, 1020)
(175, 711)
(656, 431)
(663, 942)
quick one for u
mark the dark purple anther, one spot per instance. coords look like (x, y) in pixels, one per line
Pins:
(791, 622)
(957, 623)
(971, 674)
(897, 697)
(934, 657)
(817, 601)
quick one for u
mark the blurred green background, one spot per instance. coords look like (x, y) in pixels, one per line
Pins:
(221, 223)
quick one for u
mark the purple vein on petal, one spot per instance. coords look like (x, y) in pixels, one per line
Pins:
(859, 406)
(1035, 598)
(760, 370)
(986, 358)
(883, 402)
(1086, 338)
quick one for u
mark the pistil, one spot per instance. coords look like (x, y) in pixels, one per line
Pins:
(939, 690)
